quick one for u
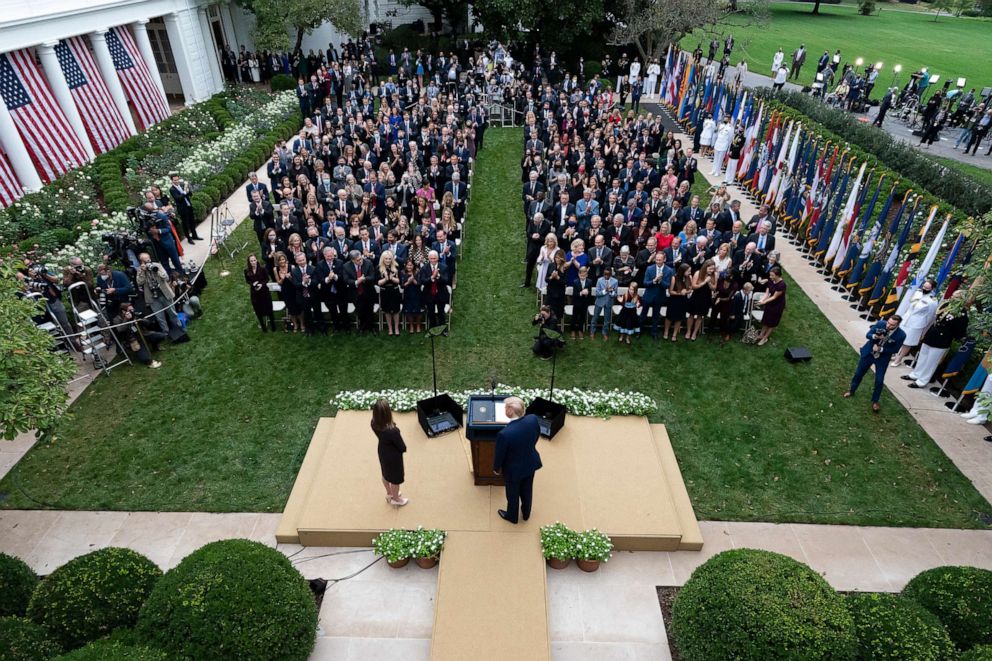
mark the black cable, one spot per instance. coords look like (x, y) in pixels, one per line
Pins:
(324, 555)
(17, 483)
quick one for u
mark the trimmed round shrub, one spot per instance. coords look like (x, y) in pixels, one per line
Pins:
(889, 626)
(90, 596)
(233, 599)
(17, 582)
(23, 640)
(977, 653)
(961, 598)
(750, 604)
(282, 82)
(109, 649)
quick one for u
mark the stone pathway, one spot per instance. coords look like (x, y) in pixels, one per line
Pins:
(614, 613)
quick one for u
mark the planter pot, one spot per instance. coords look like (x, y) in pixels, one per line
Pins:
(398, 563)
(555, 563)
(425, 563)
(587, 565)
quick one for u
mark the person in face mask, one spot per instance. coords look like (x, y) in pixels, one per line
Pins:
(921, 314)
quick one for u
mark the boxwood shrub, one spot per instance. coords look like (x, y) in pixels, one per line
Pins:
(961, 598)
(23, 640)
(17, 582)
(977, 653)
(90, 596)
(233, 599)
(282, 82)
(890, 626)
(750, 604)
(109, 649)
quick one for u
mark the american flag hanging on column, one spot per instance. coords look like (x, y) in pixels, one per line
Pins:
(10, 187)
(49, 138)
(102, 119)
(136, 78)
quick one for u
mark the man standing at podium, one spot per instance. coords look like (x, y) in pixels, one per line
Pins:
(517, 459)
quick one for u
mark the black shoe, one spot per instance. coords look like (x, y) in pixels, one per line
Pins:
(191, 241)
(906, 377)
(915, 385)
(506, 517)
(527, 518)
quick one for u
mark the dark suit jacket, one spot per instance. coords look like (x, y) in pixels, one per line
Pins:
(350, 277)
(261, 221)
(262, 189)
(892, 345)
(555, 214)
(670, 257)
(534, 245)
(769, 242)
(516, 456)
(424, 278)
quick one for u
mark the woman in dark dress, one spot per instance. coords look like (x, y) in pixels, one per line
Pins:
(678, 295)
(283, 274)
(723, 299)
(413, 307)
(555, 294)
(389, 291)
(391, 449)
(703, 285)
(261, 299)
(773, 305)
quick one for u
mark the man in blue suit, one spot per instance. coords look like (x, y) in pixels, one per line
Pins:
(885, 338)
(517, 459)
(657, 280)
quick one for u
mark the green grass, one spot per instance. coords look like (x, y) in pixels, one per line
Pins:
(224, 424)
(950, 47)
(984, 175)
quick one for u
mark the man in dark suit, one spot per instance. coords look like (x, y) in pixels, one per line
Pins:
(434, 289)
(286, 224)
(764, 215)
(692, 212)
(763, 241)
(885, 338)
(675, 254)
(725, 221)
(330, 285)
(600, 257)
(305, 282)
(531, 189)
(537, 230)
(255, 185)
(180, 192)
(458, 189)
(447, 252)
(561, 211)
(261, 214)
(516, 459)
(359, 282)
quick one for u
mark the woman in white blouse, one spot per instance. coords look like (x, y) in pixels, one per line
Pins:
(546, 259)
(723, 260)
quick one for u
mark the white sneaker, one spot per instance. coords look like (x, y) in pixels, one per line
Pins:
(979, 420)
(154, 365)
(969, 414)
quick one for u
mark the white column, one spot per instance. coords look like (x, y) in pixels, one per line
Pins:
(17, 152)
(180, 52)
(60, 87)
(106, 63)
(211, 49)
(145, 46)
(227, 21)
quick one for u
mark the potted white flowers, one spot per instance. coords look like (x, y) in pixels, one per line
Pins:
(558, 544)
(395, 546)
(427, 546)
(592, 548)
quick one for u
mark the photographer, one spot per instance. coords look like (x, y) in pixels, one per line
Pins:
(544, 346)
(186, 295)
(113, 288)
(885, 338)
(134, 339)
(75, 272)
(159, 229)
(37, 279)
(154, 283)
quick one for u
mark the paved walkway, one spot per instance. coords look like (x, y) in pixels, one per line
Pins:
(611, 614)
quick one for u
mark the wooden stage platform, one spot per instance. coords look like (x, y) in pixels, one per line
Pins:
(618, 475)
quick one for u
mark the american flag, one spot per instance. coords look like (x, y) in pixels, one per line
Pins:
(99, 113)
(47, 134)
(139, 85)
(10, 187)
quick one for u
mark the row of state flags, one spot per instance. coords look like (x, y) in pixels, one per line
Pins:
(52, 145)
(827, 198)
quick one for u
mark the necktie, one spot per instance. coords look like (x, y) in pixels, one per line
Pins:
(761, 242)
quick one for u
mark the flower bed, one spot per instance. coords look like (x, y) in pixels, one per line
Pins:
(211, 144)
(590, 403)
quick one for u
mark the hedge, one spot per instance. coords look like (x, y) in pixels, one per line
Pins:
(23, 640)
(892, 627)
(94, 594)
(750, 604)
(17, 582)
(233, 599)
(961, 598)
(956, 188)
(114, 650)
(282, 82)
(977, 653)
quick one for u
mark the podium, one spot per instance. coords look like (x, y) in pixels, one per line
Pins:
(486, 419)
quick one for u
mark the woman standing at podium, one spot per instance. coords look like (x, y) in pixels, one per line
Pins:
(391, 449)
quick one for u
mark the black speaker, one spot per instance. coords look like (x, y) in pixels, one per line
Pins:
(798, 355)
(439, 414)
(551, 414)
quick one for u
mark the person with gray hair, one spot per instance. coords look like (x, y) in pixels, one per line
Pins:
(764, 241)
(433, 279)
(359, 282)
(516, 459)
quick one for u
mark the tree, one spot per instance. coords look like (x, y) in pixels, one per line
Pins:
(453, 10)
(816, 7)
(555, 25)
(866, 7)
(275, 20)
(651, 25)
(35, 378)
